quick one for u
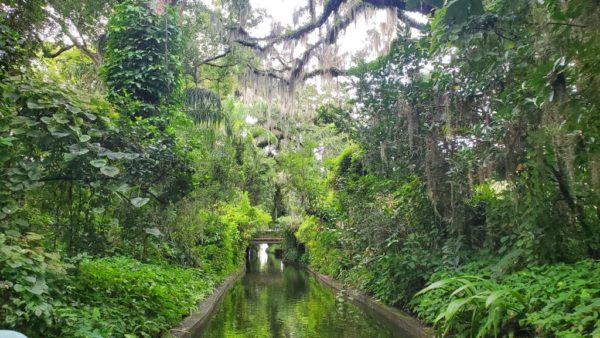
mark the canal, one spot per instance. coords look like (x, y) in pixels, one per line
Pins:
(274, 299)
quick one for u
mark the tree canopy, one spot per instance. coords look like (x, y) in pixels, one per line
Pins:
(450, 166)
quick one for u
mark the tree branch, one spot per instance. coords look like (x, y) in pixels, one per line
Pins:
(329, 38)
(219, 66)
(61, 50)
(214, 58)
(81, 46)
(333, 6)
(327, 71)
(268, 73)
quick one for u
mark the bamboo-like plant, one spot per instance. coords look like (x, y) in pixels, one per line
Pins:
(479, 307)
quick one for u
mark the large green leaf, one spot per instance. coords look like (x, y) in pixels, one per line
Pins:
(433, 286)
(99, 163)
(84, 138)
(139, 201)
(454, 307)
(77, 149)
(58, 132)
(38, 288)
(458, 11)
(494, 296)
(109, 171)
(153, 231)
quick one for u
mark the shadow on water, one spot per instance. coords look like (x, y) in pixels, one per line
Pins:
(277, 300)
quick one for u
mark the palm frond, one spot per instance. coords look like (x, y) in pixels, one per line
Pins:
(203, 106)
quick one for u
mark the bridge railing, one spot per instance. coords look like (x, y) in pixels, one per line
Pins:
(270, 233)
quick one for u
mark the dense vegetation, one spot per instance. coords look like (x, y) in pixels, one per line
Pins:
(119, 211)
(458, 181)
(474, 168)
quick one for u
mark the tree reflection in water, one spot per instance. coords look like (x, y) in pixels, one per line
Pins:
(278, 300)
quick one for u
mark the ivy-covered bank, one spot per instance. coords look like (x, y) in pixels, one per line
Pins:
(120, 206)
(469, 195)
(478, 293)
(45, 295)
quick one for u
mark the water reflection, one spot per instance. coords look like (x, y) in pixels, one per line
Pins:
(263, 257)
(279, 300)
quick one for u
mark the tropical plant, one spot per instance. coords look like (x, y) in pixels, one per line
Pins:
(478, 307)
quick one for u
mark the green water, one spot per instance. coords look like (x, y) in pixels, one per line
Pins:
(278, 300)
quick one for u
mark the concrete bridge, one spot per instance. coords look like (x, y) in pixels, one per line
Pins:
(267, 236)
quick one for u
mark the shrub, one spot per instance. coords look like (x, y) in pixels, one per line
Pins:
(477, 307)
(120, 296)
(557, 300)
(563, 299)
(322, 244)
(397, 276)
(31, 284)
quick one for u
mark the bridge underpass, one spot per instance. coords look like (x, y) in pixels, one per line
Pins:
(267, 237)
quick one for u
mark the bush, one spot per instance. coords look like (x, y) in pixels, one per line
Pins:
(558, 300)
(292, 250)
(398, 276)
(322, 244)
(563, 299)
(120, 296)
(31, 284)
(227, 232)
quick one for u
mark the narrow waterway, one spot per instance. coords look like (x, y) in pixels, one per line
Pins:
(278, 300)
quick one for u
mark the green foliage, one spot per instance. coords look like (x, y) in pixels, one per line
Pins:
(203, 106)
(303, 175)
(471, 140)
(293, 250)
(12, 51)
(477, 138)
(563, 300)
(213, 239)
(477, 307)
(142, 60)
(76, 70)
(24, 18)
(120, 296)
(390, 258)
(106, 297)
(396, 276)
(545, 301)
(322, 244)
(32, 284)
(60, 138)
(47, 131)
(458, 11)
(137, 178)
(347, 163)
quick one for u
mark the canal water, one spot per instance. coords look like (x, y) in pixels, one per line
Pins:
(274, 299)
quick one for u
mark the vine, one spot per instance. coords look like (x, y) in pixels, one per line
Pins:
(142, 66)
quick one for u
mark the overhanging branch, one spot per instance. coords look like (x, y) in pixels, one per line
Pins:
(49, 54)
(214, 58)
(334, 72)
(80, 45)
